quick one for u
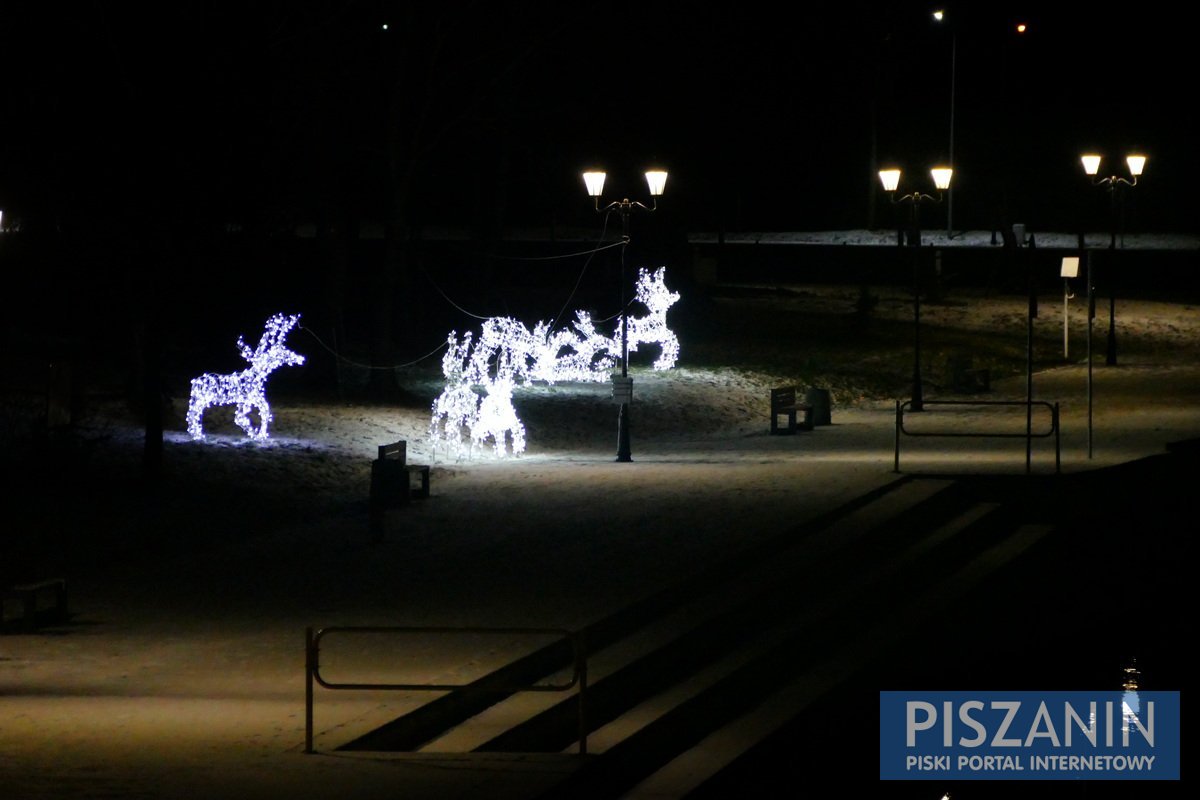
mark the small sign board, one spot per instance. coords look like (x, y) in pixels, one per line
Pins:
(622, 391)
(1070, 267)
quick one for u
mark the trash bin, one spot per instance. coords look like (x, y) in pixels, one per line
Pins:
(820, 402)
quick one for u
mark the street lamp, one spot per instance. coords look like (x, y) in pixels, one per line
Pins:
(1115, 184)
(890, 178)
(656, 181)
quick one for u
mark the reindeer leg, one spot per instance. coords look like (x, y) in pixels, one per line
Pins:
(194, 414)
(242, 418)
(518, 436)
(264, 418)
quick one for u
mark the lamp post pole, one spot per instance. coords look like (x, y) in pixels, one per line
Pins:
(1116, 208)
(1091, 315)
(918, 398)
(624, 452)
(656, 179)
(939, 16)
(890, 178)
(950, 163)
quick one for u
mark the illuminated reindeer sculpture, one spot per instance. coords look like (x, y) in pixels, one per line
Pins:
(245, 389)
(506, 354)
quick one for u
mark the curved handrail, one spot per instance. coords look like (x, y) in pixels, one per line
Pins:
(312, 668)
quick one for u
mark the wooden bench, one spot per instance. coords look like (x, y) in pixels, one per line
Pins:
(783, 404)
(392, 482)
(29, 593)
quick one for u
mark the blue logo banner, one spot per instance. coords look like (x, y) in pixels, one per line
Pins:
(1121, 735)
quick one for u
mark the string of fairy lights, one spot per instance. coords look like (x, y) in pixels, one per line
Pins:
(578, 281)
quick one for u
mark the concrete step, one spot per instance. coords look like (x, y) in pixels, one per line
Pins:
(466, 721)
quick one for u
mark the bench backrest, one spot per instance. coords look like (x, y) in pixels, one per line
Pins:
(784, 396)
(397, 451)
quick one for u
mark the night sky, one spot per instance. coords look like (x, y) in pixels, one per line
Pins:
(270, 113)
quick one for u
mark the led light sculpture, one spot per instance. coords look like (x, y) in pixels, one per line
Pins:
(245, 389)
(506, 354)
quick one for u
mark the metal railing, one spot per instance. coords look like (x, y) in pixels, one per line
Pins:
(1028, 434)
(312, 669)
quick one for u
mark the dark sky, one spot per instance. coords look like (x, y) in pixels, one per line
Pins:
(263, 113)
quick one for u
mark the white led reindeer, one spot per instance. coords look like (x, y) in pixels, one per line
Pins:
(652, 292)
(506, 354)
(245, 389)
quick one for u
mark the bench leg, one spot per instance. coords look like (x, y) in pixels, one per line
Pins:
(421, 490)
(791, 422)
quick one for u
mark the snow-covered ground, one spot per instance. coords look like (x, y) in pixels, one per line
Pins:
(180, 673)
(939, 238)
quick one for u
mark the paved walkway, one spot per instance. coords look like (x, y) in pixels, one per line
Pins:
(184, 678)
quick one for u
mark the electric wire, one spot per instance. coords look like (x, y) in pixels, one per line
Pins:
(578, 281)
(352, 362)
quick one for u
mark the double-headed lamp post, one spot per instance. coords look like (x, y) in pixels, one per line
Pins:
(1116, 211)
(656, 180)
(890, 178)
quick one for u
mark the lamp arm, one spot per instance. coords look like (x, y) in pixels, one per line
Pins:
(625, 206)
(914, 197)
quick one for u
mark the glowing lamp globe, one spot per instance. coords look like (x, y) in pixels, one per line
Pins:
(594, 181)
(941, 177)
(890, 178)
(656, 179)
(1091, 163)
(1136, 164)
